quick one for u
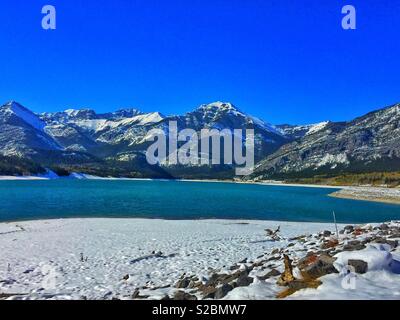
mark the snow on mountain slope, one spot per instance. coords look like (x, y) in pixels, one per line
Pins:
(26, 115)
(220, 106)
(85, 130)
(299, 131)
(222, 115)
(266, 126)
(313, 128)
(83, 113)
(216, 110)
(365, 144)
(129, 127)
(71, 115)
(142, 119)
(368, 142)
(115, 133)
(22, 132)
(88, 120)
(92, 124)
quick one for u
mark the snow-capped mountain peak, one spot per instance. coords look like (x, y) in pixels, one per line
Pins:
(71, 112)
(123, 113)
(83, 136)
(74, 115)
(81, 114)
(228, 114)
(219, 107)
(26, 115)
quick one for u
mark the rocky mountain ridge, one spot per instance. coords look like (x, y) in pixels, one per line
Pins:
(114, 143)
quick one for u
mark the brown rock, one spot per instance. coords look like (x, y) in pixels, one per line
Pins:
(213, 280)
(244, 280)
(136, 295)
(349, 229)
(392, 243)
(384, 226)
(359, 266)
(326, 233)
(275, 251)
(223, 291)
(182, 295)
(270, 274)
(208, 291)
(307, 260)
(332, 243)
(318, 267)
(354, 245)
(183, 283)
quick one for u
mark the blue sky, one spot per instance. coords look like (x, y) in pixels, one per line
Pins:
(284, 61)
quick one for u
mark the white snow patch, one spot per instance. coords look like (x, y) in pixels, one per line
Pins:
(340, 158)
(45, 176)
(377, 256)
(97, 125)
(265, 126)
(93, 124)
(143, 119)
(26, 115)
(258, 290)
(317, 127)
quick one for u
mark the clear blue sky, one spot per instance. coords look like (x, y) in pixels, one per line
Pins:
(281, 60)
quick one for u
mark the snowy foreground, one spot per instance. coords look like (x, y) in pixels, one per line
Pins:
(153, 259)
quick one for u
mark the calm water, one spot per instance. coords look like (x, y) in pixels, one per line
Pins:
(180, 200)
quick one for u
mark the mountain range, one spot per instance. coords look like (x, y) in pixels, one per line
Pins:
(114, 143)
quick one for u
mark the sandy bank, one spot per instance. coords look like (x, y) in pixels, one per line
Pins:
(386, 195)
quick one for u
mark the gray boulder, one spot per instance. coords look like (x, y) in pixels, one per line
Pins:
(359, 266)
(223, 291)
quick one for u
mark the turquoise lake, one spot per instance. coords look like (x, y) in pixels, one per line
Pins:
(67, 198)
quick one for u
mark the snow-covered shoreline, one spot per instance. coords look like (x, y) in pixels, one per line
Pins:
(13, 178)
(105, 258)
(117, 247)
(77, 176)
(375, 194)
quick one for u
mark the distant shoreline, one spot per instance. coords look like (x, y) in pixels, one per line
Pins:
(89, 177)
(372, 194)
(361, 193)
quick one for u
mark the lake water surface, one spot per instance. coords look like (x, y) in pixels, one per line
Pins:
(67, 198)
